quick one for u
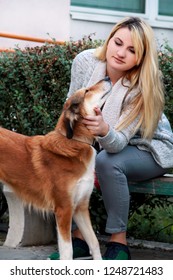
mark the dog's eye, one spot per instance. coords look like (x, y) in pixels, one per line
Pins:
(74, 107)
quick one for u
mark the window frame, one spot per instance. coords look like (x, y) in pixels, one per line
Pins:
(102, 15)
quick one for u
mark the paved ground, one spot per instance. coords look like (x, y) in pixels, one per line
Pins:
(42, 252)
(140, 250)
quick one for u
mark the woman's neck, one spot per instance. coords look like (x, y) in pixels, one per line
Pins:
(114, 75)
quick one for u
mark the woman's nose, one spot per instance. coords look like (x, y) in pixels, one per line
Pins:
(121, 52)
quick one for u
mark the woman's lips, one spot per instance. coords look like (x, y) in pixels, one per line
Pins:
(118, 60)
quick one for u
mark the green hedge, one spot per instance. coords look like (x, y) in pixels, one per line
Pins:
(166, 66)
(34, 84)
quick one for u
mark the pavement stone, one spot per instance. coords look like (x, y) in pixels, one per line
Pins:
(140, 250)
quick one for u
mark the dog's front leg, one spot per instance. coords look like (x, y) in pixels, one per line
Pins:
(82, 219)
(63, 222)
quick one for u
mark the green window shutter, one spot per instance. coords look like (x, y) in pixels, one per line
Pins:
(135, 6)
(165, 8)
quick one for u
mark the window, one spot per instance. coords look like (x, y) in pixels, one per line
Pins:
(137, 6)
(159, 13)
(166, 7)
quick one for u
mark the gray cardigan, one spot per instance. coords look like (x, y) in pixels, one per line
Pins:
(86, 71)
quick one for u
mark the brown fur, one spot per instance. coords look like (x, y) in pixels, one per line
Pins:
(44, 170)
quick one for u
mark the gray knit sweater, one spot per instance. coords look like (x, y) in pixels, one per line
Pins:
(86, 71)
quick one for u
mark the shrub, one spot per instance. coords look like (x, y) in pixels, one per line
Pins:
(34, 84)
(153, 220)
(166, 66)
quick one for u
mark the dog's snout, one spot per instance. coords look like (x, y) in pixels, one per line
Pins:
(86, 91)
(107, 79)
(107, 87)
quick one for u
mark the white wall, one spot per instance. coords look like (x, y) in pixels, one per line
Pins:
(38, 18)
(34, 18)
(80, 28)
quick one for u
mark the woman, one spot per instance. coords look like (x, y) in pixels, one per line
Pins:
(134, 136)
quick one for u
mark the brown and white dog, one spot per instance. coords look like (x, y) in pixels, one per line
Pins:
(55, 172)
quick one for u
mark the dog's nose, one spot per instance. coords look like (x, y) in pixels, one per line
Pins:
(107, 86)
(107, 79)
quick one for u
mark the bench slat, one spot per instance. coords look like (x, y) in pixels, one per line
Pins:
(158, 186)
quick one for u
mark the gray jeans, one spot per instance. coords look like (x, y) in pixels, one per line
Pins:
(113, 172)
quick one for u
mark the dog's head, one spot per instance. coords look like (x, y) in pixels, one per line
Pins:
(83, 102)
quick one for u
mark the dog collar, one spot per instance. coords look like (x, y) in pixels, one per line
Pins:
(91, 143)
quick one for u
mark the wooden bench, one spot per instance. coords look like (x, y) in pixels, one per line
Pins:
(158, 186)
(29, 227)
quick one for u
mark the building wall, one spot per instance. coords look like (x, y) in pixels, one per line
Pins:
(52, 19)
(81, 28)
(34, 18)
(87, 20)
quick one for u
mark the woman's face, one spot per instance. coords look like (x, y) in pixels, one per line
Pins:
(120, 53)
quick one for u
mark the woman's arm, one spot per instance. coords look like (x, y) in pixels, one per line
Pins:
(109, 138)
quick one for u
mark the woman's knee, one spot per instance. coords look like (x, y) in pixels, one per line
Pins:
(101, 162)
(107, 164)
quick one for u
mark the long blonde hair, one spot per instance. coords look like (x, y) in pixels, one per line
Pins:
(149, 103)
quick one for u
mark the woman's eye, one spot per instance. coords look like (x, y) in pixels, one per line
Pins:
(118, 43)
(132, 51)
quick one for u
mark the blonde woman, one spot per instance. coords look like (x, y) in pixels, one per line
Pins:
(135, 138)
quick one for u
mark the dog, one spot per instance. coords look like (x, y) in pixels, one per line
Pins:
(55, 172)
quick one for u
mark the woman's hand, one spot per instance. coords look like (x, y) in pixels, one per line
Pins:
(96, 124)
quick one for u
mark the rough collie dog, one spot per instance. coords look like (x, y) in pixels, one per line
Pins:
(55, 172)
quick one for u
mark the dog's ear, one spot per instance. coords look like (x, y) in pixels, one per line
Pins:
(69, 129)
(72, 114)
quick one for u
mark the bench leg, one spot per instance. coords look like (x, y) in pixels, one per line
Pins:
(27, 227)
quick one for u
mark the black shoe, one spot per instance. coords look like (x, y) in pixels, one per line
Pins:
(116, 251)
(80, 251)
